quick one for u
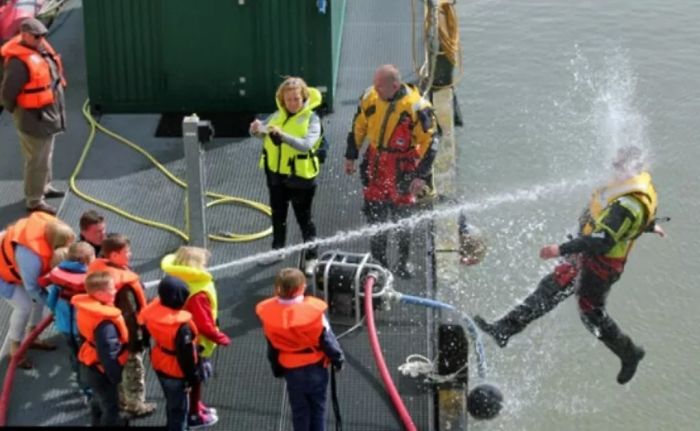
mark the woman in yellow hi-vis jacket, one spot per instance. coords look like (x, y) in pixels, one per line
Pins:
(291, 156)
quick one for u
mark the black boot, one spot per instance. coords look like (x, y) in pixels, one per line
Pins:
(629, 367)
(496, 330)
(629, 355)
(543, 299)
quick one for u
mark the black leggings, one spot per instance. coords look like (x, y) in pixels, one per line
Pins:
(301, 199)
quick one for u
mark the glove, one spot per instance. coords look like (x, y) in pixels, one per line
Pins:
(338, 367)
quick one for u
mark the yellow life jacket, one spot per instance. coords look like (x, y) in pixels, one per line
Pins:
(284, 159)
(638, 195)
(197, 281)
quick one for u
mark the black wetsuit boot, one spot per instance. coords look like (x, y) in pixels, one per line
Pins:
(629, 355)
(547, 296)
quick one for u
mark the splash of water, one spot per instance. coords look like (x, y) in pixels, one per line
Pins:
(530, 194)
(610, 94)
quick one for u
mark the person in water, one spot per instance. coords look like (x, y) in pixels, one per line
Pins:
(617, 215)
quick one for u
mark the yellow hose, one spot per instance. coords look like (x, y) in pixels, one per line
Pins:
(219, 198)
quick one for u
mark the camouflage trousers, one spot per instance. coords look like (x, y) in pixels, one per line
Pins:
(132, 389)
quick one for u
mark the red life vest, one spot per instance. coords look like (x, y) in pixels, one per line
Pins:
(294, 330)
(39, 91)
(89, 314)
(123, 278)
(71, 283)
(29, 232)
(163, 323)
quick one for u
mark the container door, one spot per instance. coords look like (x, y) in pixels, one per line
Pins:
(207, 54)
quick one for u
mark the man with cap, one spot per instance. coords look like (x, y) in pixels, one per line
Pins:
(32, 90)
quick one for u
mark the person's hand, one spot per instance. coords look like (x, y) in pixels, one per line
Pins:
(417, 186)
(274, 130)
(550, 251)
(338, 367)
(350, 166)
(223, 339)
(255, 126)
(659, 231)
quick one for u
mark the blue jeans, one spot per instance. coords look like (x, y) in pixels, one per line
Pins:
(175, 402)
(307, 388)
(104, 406)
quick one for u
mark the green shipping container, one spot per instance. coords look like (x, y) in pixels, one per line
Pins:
(209, 56)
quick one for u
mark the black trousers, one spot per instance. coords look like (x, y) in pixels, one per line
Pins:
(104, 405)
(591, 291)
(302, 200)
(380, 212)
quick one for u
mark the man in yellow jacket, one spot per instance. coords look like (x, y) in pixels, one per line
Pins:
(616, 216)
(403, 134)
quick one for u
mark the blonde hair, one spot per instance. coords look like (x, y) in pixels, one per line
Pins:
(82, 252)
(195, 257)
(59, 234)
(98, 281)
(59, 255)
(288, 281)
(292, 83)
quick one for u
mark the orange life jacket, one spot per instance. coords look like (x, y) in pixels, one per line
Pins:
(122, 278)
(89, 314)
(71, 283)
(39, 91)
(163, 323)
(294, 330)
(29, 232)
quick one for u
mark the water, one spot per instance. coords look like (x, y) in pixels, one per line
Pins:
(532, 194)
(550, 91)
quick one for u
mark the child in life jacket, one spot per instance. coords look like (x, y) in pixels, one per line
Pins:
(103, 354)
(189, 264)
(174, 354)
(68, 279)
(130, 299)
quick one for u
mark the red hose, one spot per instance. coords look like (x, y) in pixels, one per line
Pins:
(379, 359)
(12, 367)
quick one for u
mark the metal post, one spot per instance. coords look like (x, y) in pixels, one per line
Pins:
(451, 399)
(194, 133)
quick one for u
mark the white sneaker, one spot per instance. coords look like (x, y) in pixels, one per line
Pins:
(309, 267)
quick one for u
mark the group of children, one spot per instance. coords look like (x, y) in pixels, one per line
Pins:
(101, 309)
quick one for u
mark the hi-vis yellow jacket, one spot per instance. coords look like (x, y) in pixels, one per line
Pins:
(284, 159)
(638, 195)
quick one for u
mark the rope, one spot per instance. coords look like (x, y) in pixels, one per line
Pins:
(218, 197)
(448, 37)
